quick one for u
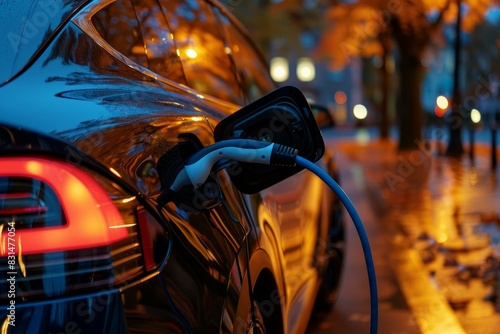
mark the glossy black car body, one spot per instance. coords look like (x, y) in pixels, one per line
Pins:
(93, 94)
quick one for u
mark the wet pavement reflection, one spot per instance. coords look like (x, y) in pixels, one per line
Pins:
(440, 216)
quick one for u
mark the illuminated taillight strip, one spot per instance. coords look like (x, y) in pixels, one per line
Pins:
(23, 211)
(92, 218)
(15, 195)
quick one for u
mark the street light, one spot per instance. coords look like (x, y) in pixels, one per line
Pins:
(191, 53)
(360, 112)
(279, 69)
(475, 116)
(441, 106)
(442, 102)
(340, 106)
(305, 69)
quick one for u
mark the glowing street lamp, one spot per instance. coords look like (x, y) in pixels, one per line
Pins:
(191, 53)
(441, 105)
(360, 111)
(279, 69)
(305, 69)
(475, 116)
(442, 102)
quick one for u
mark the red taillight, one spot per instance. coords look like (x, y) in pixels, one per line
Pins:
(92, 220)
(70, 235)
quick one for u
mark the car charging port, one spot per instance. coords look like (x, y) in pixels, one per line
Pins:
(205, 197)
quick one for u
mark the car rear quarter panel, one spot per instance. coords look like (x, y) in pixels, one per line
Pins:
(78, 94)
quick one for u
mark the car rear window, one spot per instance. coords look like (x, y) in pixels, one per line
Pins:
(202, 49)
(139, 31)
(252, 70)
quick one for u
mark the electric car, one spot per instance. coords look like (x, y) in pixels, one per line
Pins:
(102, 103)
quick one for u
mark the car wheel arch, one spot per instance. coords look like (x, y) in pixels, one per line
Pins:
(268, 294)
(269, 299)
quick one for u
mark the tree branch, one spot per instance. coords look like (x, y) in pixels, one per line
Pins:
(435, 25)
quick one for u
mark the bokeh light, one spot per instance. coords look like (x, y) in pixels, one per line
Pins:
(279, 69)
(475, 116)
(305, 69)
(360, 111)
(191, 53)
(340, 97)
(439, 112)
(442, 102)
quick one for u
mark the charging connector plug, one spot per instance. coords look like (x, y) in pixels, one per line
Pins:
(198, 166)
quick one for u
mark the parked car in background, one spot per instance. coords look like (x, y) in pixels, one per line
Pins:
(94, 94)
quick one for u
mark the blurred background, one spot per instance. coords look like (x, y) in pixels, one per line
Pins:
(398, 67)
(414, 89)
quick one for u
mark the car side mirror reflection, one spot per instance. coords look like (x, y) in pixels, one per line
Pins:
(283, 116)
(322, 116)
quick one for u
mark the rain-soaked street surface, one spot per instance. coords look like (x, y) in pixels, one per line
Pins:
(434, 231)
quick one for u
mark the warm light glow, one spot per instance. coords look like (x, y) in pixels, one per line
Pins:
(34, 167)
(475, 116)
(197, 118)
(473, 177)
(442, 237)
(123, 226)
(438, 111)
(340, 97)
(128, 199)
(279, 69)
(3, 245)
(138, 49)
(305, 69)
(191, 53)
(112, 170)
(20, 260)
(442, 102)
(360, 111)
(75, 191)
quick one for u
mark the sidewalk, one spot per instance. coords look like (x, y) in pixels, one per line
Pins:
(441, 216)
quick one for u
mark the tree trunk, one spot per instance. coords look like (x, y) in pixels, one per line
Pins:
(410, 108)
(455, 147)
(384, 102)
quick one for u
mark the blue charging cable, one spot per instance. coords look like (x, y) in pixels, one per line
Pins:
(361, 232)
(199, 165)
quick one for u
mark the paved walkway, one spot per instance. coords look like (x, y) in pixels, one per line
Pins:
(351, 313)
(441, 216)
